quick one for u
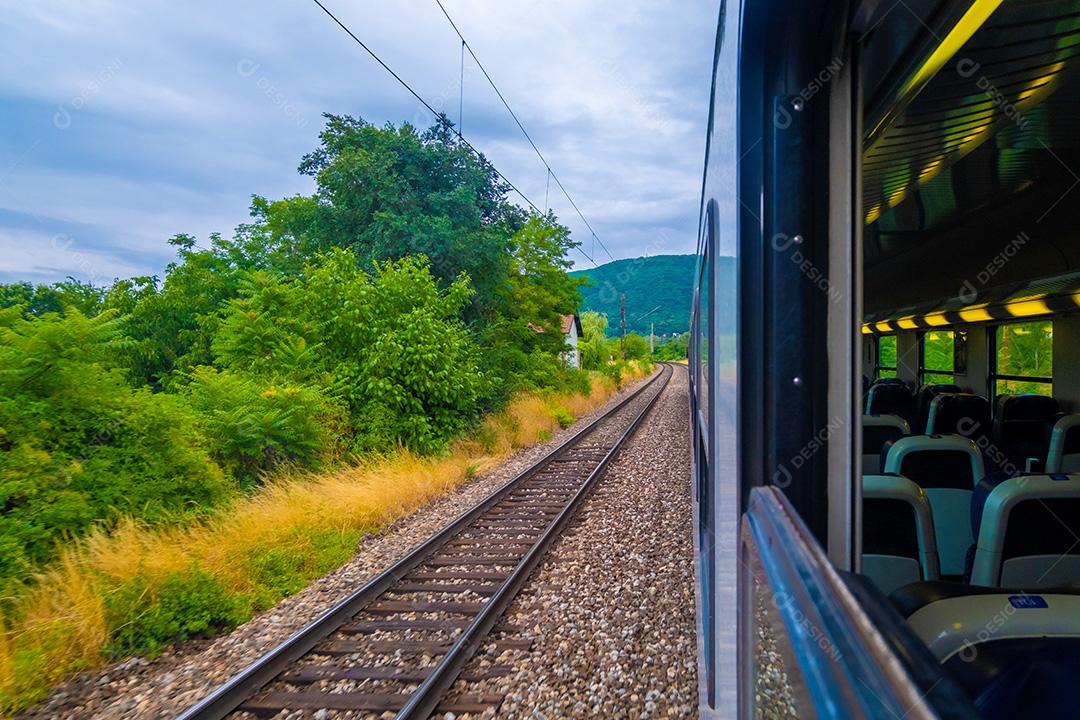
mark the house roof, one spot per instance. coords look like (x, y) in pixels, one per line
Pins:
(571, 320)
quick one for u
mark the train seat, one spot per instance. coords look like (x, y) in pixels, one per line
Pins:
(898, 533)
(1064, 451)
(924, 397)
(1016, 653)
(891, 398)
(877, 430)
(959, 414)
(947, 468)
(1020, 427)
(1028, 531)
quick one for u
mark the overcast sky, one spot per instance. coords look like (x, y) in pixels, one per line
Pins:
(126, 123)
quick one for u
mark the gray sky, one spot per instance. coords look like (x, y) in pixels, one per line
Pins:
(126, 123)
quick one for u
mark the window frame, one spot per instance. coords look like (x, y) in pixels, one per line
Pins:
(993, 376)
(878, 367)
(923, 370)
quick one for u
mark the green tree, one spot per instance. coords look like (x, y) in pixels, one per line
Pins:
(673, 348)
(78, 445)
(594, 345)
(56, 298)
(392, 192)
(637, 347)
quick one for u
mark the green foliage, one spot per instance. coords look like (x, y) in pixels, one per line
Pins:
(37, 300)
(293, 561)
(393, 307)
(253, 428)
(401, 359)
(171, 328)
(1025, 349)
(594, 345)
(148, 616)
(636, 347)
(562, 416)
(522, 344)
(78, 445)
(392, 192)
(673, 348)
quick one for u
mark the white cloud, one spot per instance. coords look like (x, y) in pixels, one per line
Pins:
(175, 129)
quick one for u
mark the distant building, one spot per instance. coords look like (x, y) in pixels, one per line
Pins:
(571, 330)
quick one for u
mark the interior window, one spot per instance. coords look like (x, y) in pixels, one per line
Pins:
(1023, 358)
(938, 353)
(886, 356)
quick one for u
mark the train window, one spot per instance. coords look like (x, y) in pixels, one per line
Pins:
(1022, 356)
(937, 350)
(704, 307)
(886, 357)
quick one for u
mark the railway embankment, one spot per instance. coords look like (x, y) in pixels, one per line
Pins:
(183, 674)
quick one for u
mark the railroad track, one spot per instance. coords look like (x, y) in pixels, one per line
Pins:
(399, 643)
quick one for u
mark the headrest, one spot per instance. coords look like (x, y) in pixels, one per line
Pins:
(893, 487)
(886, 420)
(960, 413)
(1027, 407)
(936, 460)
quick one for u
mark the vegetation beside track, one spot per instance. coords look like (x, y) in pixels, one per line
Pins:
(135, 588)
(177, 453)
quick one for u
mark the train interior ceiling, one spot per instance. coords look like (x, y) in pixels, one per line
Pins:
(971, 341)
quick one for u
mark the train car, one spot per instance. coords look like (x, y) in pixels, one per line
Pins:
(885, 361)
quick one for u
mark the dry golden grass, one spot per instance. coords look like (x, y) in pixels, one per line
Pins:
(61, 624)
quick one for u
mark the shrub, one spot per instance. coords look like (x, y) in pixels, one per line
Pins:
(401, 359)
(253, 426)
(562, 416)
(148, 616)
(78, 445)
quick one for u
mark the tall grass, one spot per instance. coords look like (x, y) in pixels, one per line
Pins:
(134, 589)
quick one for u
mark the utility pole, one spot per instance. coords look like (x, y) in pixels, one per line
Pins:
(652, 326)
(622, 323)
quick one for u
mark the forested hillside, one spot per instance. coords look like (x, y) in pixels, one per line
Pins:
(658, 290)
(664, 281)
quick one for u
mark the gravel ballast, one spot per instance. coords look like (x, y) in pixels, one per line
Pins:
(610, 611)
(164, 687)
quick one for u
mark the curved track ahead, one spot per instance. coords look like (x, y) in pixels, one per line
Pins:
(398, 643)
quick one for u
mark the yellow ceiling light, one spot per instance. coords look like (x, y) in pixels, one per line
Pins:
(1043, 82)
(873, 214)
(932, 169)
(1028, 307)
(883, 326)
(937, 319)
(960, 33)
(907, 323)
(866, 329)
(975, 313)
(897, 197)
(972, 19)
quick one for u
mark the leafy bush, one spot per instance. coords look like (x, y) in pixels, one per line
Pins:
(400, 357)
(562, 416)
(147, 616)
(78, 445)
(253, 427)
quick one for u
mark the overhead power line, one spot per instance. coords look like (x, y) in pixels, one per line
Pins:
(465, 44)
(441, 117)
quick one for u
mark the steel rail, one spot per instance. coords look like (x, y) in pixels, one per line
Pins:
(425, 699)
(231, 694)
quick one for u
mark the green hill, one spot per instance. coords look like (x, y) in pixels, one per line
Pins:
(662, 281)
